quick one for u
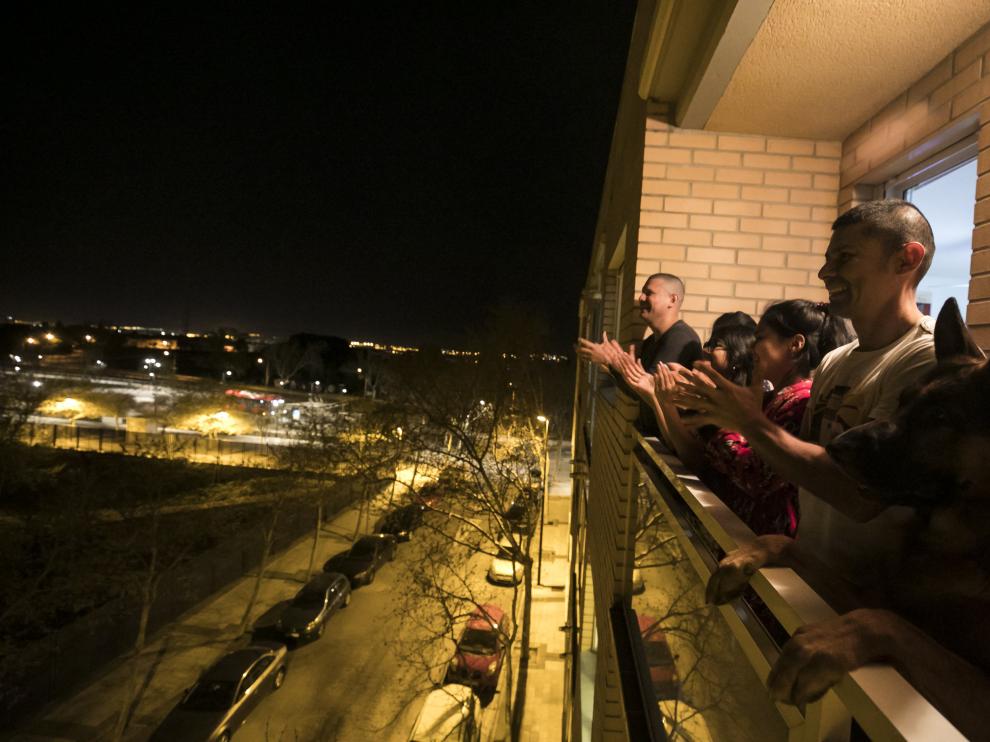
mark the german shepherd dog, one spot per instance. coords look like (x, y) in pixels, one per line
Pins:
(932, 621)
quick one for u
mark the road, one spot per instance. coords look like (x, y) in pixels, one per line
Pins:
(353, 684)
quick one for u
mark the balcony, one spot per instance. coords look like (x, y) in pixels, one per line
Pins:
(660, 532)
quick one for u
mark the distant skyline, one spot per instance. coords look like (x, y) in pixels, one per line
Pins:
(387, 176)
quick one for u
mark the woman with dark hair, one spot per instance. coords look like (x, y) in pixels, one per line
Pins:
(729, 350)
(730, 319)
(791, 338)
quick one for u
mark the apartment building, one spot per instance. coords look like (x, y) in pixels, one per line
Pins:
(744, 128)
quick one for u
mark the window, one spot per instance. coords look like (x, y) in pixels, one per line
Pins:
(255, 672)
(944, 188)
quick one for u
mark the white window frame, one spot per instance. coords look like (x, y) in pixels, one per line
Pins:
(945, 161)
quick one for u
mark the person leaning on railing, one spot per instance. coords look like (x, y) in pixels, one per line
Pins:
(790, 340)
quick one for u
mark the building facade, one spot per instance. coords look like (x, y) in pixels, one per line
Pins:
(743, 130)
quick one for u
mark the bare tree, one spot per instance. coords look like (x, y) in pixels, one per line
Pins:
(343, 455)
(147, 550)
(19, 398)
(292, 356)
(476, 422)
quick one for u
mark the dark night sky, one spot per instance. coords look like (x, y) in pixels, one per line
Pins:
(380, 175)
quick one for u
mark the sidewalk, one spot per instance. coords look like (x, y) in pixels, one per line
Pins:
(543, 715)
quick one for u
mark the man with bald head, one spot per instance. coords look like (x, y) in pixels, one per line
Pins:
(671, 341)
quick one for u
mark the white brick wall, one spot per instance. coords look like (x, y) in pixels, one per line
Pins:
(742, 219)
(915, 125)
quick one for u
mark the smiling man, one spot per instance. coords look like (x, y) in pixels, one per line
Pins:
(879, 252)
(671, 339)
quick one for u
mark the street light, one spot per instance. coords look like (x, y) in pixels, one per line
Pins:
(543, 499)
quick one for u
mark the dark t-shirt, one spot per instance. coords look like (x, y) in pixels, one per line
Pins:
(680, 344)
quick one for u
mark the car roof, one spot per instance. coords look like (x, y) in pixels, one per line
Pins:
(441, 713)
(483, 616)
(232, 666)
(410, 508)
(649, 628)
(321, 582)
(374, 539)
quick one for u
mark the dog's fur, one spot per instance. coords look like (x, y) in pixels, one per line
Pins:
(934, 456)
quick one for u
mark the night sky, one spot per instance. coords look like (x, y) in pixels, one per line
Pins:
(370, 173)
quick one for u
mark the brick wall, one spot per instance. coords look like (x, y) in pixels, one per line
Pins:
(742, 219)
(611, 544)
(949, 103)
(978, 311)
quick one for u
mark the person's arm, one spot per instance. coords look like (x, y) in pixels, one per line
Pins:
(686, 444)
(593, 352)
(819, 654)
(805, 464)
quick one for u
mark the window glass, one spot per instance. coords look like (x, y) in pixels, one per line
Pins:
(704, 686)
(947, 201)
(252, 677)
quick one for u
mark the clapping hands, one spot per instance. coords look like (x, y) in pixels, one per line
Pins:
(717, 400)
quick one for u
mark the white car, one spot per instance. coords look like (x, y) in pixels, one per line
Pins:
(683, 723)
(505, 569)
(449, 714)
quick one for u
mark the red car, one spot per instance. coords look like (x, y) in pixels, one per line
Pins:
(663, 673)
(430, 495)
(480, 650)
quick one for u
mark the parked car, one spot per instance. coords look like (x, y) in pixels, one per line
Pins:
(402, 521)
(684, 723)
(638, 583)
(430, 494)
(218, 704)
(449, 714)
(307, 615)
(361, 562)
(480, 650)
(523, 512)
(506, 567)
(663, 672)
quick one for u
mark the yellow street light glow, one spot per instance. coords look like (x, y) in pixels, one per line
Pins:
(67, 405)
(222, 415)
(50, 337)
(31, 341)
(261, 360)
(541, 418)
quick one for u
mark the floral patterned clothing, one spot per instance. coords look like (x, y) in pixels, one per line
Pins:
(745, 482)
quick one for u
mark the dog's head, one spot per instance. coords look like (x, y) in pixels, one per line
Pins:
(936, 449)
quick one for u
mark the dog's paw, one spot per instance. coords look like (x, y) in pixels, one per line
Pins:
(819, 654)
(733, 574)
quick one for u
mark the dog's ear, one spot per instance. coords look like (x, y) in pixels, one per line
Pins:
(952, 338)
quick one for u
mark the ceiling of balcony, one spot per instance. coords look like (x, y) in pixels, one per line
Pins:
(799, 68)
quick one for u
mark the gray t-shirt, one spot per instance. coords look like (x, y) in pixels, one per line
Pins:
(852, 387)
